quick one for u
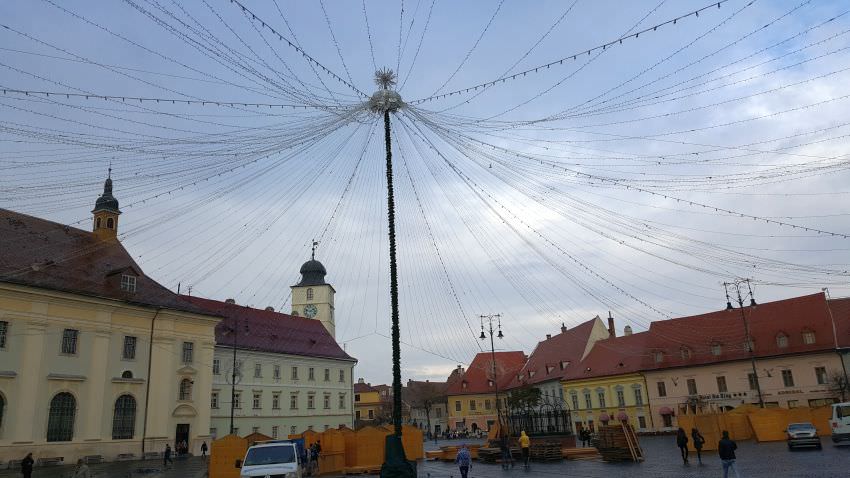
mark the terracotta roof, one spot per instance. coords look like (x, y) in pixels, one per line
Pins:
(477, 376)
(48, 255)
(552, 357)
(363, 388)
(269, 331)
(612, 356)
(840, 309)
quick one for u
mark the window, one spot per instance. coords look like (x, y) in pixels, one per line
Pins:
(457, 405)
(357, 414)
(472, 405)
(716, 349)
(686, 353)
(439, 412)
(311, 401)
(276, 401)
(274, 431)
(129, 352)
(782, 341)
(185, 389)
(751, 378)
(668, 421)
(126, 374)
(188, 352)
(327, 375)
(258, 401)
(820, 373)
(601, 397)
(342, 401)
(124, 418)
(808, 337)
(237, 402)
(793, 403)
(638, 398)
(342, 376)
(128, 283)
(326, 403)
(357, 397)
(110, 223)
(692, 386)
(97, 223)
(311, 374)
(787, 378)
(4, 330)
(294, 373)
(621, 399)
(69, 342)
(371, 414)
(587, 402)
(216, 367)
(659, 357)
(662, 389)
(236, 431)
(60, 420)
(574, 399)
(641, 422)
(293, 401)
(214, 400)
(258, 370)
(487, 404)
(276, 372)
(721, 385)
(310, 294)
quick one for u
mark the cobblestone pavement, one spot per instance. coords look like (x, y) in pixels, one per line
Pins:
(755, 460)
(185, 468)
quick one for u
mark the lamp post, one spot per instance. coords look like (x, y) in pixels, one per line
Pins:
(233, 373)
(737, 285)
(489, 319)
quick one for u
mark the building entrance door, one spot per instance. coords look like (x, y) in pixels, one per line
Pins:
(181, 439)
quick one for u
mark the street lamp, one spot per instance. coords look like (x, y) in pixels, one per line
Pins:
(737, 284)
(498, 319)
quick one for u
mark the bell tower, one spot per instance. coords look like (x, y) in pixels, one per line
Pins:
(312, 297)
(105, 219)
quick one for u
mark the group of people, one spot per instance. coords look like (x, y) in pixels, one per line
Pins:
(310, 458)
(80, 471)
(725, 448)
(586, 437)
(464, 457)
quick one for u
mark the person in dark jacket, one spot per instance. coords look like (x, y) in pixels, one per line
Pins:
(726, 449)
(698, 439)
(682, 443)
(463, 460)
(204, 449)
(166, 457)
(26, 465)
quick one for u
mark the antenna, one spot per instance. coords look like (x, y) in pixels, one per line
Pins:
(313, 254)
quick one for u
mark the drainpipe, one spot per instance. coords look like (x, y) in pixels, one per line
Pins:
(148, 384)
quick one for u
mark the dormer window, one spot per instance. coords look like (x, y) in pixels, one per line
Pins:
(686, 353)
(128, 283)
(808, 337)
(782, 340)
(530, 373)
(716, 349)
(463, 384)
(659, 356)
(564, 365)
(549, 369)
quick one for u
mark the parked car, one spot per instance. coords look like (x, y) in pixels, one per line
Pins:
(271, 458)
(840, 422)
(802, 435)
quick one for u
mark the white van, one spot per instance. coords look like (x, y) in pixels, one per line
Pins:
(278, 459)
(840, 422)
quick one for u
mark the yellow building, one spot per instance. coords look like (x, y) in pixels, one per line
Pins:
(368, 405)
(471, 393)
(607, 386)
(96, 358)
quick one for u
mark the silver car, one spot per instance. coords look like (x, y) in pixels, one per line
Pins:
(802, 435)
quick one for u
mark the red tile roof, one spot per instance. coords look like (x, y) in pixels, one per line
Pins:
(269, 331)
(840, 309)
(545, 362)
(612, 356)
(48, 255)
(363, 387)
(480, 371)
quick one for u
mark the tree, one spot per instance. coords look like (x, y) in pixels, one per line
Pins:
(838, 385)
(524, 398)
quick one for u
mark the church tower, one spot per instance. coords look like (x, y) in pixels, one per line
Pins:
(312, 297)
(105, 220)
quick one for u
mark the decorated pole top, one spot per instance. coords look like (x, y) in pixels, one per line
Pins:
(386, 98)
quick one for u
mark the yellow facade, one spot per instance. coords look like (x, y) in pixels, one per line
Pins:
(367, 405)
(472, 411)
(590, 398)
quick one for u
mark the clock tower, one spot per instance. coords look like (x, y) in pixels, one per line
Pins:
(312, 297)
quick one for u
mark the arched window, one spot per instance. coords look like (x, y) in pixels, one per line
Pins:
(124, 418)
(60, 422)
(782, 340)
(185, 389)
(110, 223)
(97, 223)
(126, 374)
(310, 293)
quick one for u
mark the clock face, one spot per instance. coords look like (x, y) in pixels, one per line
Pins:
(310, 311)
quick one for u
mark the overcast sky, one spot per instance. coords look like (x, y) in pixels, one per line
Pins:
(634, 179)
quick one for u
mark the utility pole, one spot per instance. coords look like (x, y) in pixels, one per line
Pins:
(737, 284)
(386, 101)
(489, 319)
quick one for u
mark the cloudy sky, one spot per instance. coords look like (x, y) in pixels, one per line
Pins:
(556, 181)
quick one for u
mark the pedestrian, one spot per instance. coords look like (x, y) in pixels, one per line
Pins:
(204, 450)
(726, 449)
(585, 437)
(166, 456)
(682, 443)
(525, 446)
(463, 460)
(26, 465)
(82, 470)
(698, 439)
(505, 446)
(315, 449)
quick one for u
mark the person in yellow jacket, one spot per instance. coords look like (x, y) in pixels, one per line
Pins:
(525, 446)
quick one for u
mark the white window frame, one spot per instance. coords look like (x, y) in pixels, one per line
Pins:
(128, 283)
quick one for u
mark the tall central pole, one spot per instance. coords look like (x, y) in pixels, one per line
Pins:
(396, 337)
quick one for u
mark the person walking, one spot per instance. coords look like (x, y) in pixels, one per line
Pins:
(463, 460)
(26, 465)
(726, 449)
(166, 456)
(698, 439)
(82, 470)
(682, 443)
(505, 447)
(525, 446)
(204, 451)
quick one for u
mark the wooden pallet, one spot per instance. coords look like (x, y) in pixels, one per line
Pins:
(362, 470)
(619, 443)
(581, 453)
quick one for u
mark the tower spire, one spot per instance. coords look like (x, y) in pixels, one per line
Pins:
(106, 211)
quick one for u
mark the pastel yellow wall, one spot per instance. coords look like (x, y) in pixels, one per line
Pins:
(368, 401)
(480, 415)
(628, 383)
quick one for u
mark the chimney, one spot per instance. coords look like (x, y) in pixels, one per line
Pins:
(270, 309)
(360, 380)
(627, 330)
(611, 331)
(548, 336)
(563, 328)
(230, 301)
